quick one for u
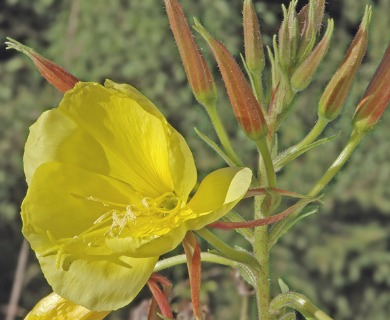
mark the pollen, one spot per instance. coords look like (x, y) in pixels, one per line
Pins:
(148, 217)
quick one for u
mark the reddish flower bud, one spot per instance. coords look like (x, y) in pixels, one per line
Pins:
(245, 106)
(303, 75)
(339, 86)
(198, 74)
(376, 98)
(254, 53)
(58, 77)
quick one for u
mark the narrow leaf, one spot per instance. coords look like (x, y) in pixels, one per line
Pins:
(292, 153)
(215, 147)
(276, 233)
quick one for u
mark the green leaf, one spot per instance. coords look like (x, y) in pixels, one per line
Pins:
(292, 153)
(247, 274)
(215, 147)
(283, 286)
(233, 216)
(300, 303)
(276, 232)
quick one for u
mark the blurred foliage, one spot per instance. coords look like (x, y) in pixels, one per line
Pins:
(340, 257)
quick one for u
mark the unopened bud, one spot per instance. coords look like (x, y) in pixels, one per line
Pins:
(303, 75)
(376, 98)
(245, 106)
(57, 76)
(288, 36)
(254, 53)
(339, 86)
(282, 93)
(307, 33)
(319, 13)
(197, 71)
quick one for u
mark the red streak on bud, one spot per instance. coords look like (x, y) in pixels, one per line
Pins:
(197, 71)
(245, 106)
(57, 76)
(376, 98)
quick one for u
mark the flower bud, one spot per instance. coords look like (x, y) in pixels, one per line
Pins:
(303, 75)
(282, 93)
(254, 53)
(288, 37)
(339, 86)
(58, 77)
(376, 98)
(245, 106)
(307, 34)
(319, 13)
(198, 74)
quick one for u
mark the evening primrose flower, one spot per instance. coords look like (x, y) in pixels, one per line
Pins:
(109, 184)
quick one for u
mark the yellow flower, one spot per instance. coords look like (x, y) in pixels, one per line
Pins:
(53, 307)
(109, 183)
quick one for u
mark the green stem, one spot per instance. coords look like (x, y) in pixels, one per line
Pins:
(257, 88)
(181, 259)
(222, 135)
(267, 160)
(260, 245)
(244, 307)
(228, 251)
(261, 253)
(353, 142)
(311, 136)
(345, 154)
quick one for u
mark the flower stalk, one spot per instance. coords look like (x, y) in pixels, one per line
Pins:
(192, 251)
(245, 105)
(198, 73)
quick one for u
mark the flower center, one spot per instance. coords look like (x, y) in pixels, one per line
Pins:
(149, 217)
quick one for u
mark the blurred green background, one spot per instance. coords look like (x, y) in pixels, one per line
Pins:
(340, 257)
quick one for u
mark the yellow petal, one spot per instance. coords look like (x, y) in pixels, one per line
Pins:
(135, 95)
(134, 141)
(149, 247)
(65, 201)
(218, 193)
(60, 214)
(181, 161)
(54, 307)
(99, 285)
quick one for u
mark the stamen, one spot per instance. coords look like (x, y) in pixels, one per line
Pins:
(148, 218)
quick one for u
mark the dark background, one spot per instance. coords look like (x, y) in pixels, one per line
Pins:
(339, 258)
